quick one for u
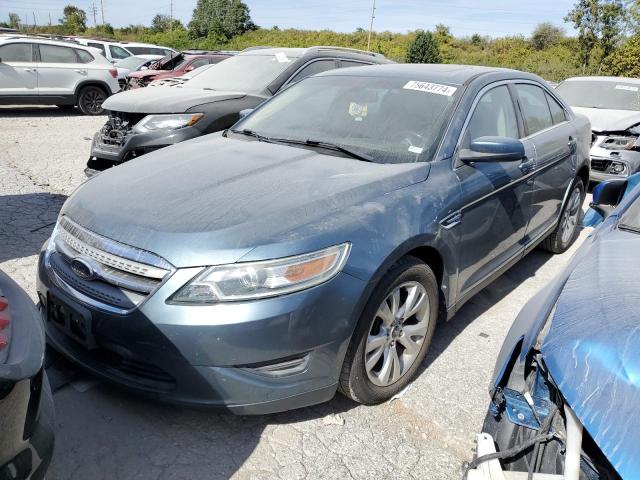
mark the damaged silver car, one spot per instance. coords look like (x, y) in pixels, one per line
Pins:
(612, 104)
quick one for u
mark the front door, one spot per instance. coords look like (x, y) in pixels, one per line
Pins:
(546, 125)
(497, 195)
(18, 72)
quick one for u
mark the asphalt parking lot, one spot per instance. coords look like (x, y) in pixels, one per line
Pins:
(103, 432)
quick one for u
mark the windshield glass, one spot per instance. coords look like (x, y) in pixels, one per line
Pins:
(244, 73)
(131, 63)
(631, 218)
(615, 95)
(390, 120)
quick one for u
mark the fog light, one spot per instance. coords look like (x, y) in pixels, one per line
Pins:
(283, 368)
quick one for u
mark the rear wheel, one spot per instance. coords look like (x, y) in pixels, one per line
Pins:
(569, 225)
(90, 100)
(393, 334)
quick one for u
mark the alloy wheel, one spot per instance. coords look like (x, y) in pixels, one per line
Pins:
(571, 215)
(92, 101)
(397, 334)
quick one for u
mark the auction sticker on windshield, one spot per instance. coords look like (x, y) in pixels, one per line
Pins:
(429, 87)
(627, 87)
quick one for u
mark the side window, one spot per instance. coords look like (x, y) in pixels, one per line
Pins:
(558, 114)
(313, 68)
(16, 52)
(57, 54)
(494, 116)
(99, 46)
(535, 109)
(85, 57)
(118, 53)
(199, 63)
(347, 64)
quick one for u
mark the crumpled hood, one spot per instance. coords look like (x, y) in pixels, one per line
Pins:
(195, 202)
(592, 348)
(150, 73)
(604, 120)
(159, 100)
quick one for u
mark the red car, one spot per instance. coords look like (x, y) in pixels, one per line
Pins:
(174, 66)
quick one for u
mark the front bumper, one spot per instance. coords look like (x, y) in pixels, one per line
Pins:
(213, 355)
(104, 156)
(602, 160)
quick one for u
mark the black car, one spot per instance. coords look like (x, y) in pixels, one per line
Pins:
(26, 404)
(144, 120)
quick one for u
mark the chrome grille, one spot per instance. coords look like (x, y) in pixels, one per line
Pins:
(123, 275)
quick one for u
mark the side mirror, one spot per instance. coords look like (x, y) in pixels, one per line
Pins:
(245, 112)
(190, 68)
(493, 149)
(609, 192)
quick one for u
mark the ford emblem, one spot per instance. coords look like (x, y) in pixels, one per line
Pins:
(83, 269)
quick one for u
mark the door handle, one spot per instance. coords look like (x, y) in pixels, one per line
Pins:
(81, 72)
(527, 166)
(30, 70)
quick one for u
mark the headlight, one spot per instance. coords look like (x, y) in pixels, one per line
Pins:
(619, 143)
(167, 122)
(252, 280)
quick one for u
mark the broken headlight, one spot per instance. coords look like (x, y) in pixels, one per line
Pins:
(253, 280)
(167, 122)
(619, 142)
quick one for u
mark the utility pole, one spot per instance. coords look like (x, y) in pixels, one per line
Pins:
(49, 18)
(171, 16)
(94, 10)
(34, 20)
(373, 15)
(102, 9)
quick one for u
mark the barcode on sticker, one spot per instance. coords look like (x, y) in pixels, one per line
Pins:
(429, 87)
(627, 87)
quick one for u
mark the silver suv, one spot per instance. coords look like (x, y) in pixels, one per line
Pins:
(39, 71)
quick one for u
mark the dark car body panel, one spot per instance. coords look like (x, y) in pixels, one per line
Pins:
(222, 199)
(26, 404)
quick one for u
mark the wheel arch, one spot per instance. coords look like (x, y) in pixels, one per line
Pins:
(584, 173)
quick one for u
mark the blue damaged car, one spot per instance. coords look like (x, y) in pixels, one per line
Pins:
(314, 245)
(566, 387)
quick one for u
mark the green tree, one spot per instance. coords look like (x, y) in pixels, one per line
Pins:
(105, 29)
(14, 21)
(476, 39)
(424, 49)
(545, 35)
(624, 61)
(612, 25)
(220, 18)
(164, 23)
(74, 19)
(442, 34)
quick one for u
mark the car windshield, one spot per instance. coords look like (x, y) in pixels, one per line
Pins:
(244, 73)
(610, 94)
(131, 63)
(386, 120)
(630, 219)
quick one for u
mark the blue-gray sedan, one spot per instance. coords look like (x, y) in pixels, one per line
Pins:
(314, 245)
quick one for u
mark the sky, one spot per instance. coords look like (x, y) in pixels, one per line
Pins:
(464, 17)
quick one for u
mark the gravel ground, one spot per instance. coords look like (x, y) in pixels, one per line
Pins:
(105, 433)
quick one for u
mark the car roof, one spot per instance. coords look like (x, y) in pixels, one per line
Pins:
(453, 74)
(46, 41)
(301, 52)
(604, 79)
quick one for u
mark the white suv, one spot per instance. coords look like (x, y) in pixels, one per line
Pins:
(38, 71)
(112, 51)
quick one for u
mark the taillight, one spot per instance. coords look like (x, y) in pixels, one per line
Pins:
(113, 72)
(5, 323)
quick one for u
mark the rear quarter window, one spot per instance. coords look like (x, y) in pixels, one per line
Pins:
(84, 56)
(558, 115)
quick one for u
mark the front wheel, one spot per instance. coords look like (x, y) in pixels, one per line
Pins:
(568, 227)
(90, 100)
(393, 334)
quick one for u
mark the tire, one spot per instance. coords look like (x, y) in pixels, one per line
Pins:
(90, 100)
(568, 228)
(378, 338)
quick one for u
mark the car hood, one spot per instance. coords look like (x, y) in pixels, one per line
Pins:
(161, 100)
(592, 351)
(604, 120)
(195, 202)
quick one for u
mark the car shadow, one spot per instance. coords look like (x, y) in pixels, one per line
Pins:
(26, 221)
(38, 111)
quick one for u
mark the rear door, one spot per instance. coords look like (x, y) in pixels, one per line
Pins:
(59, 70)
(18, 72)
(497, 195)
(547, 126)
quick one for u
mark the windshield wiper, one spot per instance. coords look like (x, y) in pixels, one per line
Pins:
(251, 133)
(328, 145)
(629, 228)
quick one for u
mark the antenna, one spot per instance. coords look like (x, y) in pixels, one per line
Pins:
(373, 15)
